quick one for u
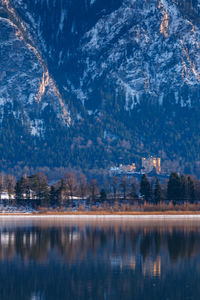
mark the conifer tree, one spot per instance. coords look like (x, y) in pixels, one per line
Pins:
(145, 187)
(53, 196)
(133, 193)
(18, 191)
(20, 188)
(157, 192)
(183, 188)
(174, 187)
(103, 195)
(191, 190)
(93, 189)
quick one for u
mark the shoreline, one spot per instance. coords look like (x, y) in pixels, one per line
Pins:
(107, 215)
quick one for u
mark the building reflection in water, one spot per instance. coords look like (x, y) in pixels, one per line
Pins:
(88, 259)
(131, 246)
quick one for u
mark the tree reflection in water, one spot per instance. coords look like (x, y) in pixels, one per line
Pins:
(88, 261)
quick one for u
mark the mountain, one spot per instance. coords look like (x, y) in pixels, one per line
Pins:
(92, 83)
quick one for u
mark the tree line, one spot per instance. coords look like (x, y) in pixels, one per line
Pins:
(178, 189)
(72, 186)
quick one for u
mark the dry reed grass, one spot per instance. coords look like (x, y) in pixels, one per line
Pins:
(126, 209)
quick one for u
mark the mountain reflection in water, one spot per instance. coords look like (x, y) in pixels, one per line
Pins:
(58, 259)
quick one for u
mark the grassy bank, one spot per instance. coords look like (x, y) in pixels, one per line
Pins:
(115, 209)
(134, 208)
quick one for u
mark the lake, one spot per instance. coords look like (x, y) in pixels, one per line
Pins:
(53, 258)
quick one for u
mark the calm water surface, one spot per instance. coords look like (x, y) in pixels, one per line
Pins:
(59, 259)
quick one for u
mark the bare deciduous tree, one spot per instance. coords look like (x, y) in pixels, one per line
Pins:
(2, 182)
(114, 186)
(82, 185)
(70, 180)
(11, 181)
(93, 188)
(124, 186)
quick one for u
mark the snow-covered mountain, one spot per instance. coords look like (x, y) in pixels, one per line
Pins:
(117, 78)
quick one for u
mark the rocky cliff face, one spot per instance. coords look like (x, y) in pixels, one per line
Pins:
(129, 68)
